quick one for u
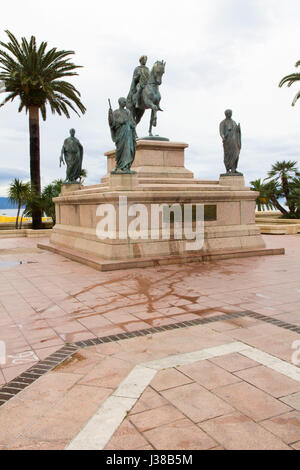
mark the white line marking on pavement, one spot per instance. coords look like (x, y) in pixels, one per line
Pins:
(283, 367)
(102, 426)
(190, 357)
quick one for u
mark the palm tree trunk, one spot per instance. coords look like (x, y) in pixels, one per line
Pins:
(21, 223)
(18, 213)
(286, 191)
(35, 172)
(278, 206)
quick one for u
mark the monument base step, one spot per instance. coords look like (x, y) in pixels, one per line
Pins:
(131, 263)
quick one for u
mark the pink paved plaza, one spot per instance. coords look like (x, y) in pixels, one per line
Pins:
(227, 384)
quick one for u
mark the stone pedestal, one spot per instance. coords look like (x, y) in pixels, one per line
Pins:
(69, 188)
(161, 179)
(155, 161)
(119, 182)
(236, 181)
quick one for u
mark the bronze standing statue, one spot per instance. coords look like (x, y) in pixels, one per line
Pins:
(144, 91)
(72, 155)
(230, 132)
(123, 134)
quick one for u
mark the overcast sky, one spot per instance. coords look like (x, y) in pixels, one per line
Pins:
(220, 54)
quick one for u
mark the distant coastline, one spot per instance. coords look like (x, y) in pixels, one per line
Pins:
(7, 208)
(9, 212)
(6, 204)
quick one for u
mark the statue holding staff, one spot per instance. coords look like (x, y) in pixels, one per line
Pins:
(230, 133)
(122, 127)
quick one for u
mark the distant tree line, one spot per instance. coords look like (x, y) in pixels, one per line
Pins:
(23, 196)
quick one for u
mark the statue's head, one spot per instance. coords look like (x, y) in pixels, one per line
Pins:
(143, 60)
(122, 102)
(72, 132)
(228, 113)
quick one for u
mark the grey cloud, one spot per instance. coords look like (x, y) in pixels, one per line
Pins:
(8, 174)
(204, 49)
(242, 18)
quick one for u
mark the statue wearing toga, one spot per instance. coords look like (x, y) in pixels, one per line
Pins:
(230, 132)
(72, 155)
(122, 127)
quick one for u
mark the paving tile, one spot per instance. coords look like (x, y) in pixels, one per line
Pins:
(17, 415)
(45, 352)
(208, 375)
(119, 317)
(93, 321)
(180, 435)
(49, 388)
(169, 378)
(108, 349)
(79, 404)
(22, 443)
(2, 379)
(138, 344)
(53, 429)
(236, 431)
(156, 417)
(11, 372)
(109, 373)
(135, 326)
(81, 362)
(149, 399)
(103, 331)
(286, 426)
(233, 362)
(196, 403)
(272, 382)
(292, 400)
(272, 346)
(126, 438)
(251, 401)
(138, 357)
(296, 445)
(54, 340)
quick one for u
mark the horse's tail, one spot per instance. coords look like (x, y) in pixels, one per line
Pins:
(138, 114)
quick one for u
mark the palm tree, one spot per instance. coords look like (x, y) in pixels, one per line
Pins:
(263, 200)
(18, 194)
(290, 79)
(49, 192)
(295, 195)
(33, 203)
(36, 76)
(284, 173)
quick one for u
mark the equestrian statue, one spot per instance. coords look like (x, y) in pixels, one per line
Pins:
(144, 91)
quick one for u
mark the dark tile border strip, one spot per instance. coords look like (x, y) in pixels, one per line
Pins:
(15, 386)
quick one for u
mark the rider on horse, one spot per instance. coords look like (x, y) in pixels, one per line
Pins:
(144, 91)
(139, 81)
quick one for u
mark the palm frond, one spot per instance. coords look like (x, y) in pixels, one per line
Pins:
(36, 75)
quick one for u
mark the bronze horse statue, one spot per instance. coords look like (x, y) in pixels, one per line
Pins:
(150, 96)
